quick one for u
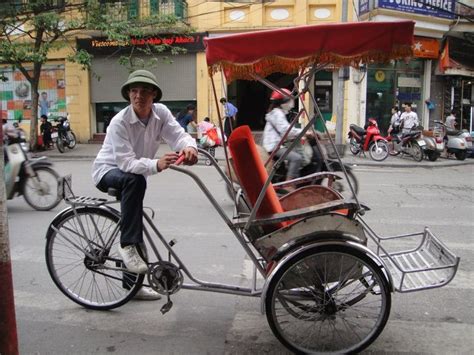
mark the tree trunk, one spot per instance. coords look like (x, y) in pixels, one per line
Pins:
(8, 333)
(34, 117)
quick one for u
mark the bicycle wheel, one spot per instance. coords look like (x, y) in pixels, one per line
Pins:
(83, 261)
(332, 299)
(72, 139)
(41, 191)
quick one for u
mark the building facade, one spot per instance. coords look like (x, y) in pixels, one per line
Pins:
(92, 97)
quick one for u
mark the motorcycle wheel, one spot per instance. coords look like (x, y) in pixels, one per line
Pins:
(392, 149)
(379, 151)
(432, 156)
(353, 146)
(416, 151)
(72, 140)
(41, 191)
(460, 155)
(60, 144)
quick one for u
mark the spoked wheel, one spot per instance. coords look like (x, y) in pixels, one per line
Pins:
(41, 191)
(415, 151)
(83, 261)
(329, 299)
(353, 146)
(72, 139)
(379, 150)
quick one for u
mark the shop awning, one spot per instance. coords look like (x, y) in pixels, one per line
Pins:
(457, 57)
(289, 49)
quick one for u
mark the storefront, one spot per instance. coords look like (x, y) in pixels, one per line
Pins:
(409, 80)
(15, 93)
(176, 74)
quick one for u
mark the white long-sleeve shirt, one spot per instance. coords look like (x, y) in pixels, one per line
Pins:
(409, 120)
(131, 146)
(275, 128)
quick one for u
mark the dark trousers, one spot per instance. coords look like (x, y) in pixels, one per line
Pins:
(132, 190)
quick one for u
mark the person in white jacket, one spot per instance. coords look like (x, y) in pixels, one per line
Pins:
(127, 157)
(275, 128)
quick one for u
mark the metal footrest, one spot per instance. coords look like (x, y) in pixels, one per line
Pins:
(429, 265)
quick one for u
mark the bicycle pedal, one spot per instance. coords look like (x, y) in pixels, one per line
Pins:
(166, 307)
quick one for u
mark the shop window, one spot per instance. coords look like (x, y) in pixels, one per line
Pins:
(392, 85)
(106, 111)
(15, 94)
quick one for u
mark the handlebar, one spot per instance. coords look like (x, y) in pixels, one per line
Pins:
(180, 160)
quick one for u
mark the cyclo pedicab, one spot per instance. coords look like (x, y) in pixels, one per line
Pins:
(324, 289)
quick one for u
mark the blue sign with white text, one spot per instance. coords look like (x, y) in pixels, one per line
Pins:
(435, 8)
(363, 7)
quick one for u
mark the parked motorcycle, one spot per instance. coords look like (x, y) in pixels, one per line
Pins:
(434, 142)
(368, 139)
(456, 142)
(35, 179)
(411, 144)
(62, 134)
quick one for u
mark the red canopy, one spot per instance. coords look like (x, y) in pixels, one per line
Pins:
(289, 49)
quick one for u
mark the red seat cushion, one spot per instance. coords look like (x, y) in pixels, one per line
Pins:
(252, 174)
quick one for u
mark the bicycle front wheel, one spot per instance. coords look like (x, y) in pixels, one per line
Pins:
(83, 261)
(330, 299)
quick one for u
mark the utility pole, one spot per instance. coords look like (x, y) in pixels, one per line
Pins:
(8, 334)
(340, 88)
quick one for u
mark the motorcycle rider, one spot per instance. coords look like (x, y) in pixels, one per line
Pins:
(408, 119)
(275, 128)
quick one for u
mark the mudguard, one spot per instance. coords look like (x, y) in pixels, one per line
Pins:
(39, 163)
(319, 240)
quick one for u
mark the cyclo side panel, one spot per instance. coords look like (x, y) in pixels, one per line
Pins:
(272, 246)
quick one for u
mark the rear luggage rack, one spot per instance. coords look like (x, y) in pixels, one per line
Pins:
(429, 265)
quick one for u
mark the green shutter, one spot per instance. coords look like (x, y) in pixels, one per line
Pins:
(133, 9)
(154, 7)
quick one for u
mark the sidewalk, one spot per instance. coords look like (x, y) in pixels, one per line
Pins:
(89, 152)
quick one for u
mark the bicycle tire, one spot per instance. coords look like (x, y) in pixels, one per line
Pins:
(336, 289)
(42, 194)
(94, 284)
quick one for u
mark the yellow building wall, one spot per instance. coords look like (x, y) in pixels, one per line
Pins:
(233, 17)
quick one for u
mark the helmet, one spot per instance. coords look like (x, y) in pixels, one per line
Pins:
(278, 96)
(144, 77)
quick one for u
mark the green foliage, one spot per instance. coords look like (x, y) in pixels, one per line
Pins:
(31, 30)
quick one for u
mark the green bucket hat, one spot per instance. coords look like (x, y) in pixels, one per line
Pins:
(141, 76)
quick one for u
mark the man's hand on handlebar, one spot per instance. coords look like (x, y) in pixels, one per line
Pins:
(166, 160)
(190, 155)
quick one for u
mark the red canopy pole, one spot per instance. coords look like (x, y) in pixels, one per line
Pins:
(8, 334)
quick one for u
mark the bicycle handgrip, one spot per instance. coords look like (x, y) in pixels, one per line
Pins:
(180, 159)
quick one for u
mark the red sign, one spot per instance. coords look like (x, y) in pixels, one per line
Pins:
(426, 48)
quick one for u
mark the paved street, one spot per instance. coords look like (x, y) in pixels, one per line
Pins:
(402, 200)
